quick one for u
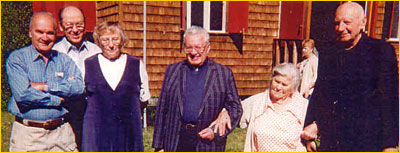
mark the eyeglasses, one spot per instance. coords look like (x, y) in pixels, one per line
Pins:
(198, 49)
(114, 40)
(70, 26)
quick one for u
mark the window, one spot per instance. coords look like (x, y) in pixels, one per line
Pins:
(391, 21)
(209, 15)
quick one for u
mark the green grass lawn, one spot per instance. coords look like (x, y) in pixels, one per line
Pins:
(235, 141)
(6, 122)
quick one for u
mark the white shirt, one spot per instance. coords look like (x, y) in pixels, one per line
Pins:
(113, 71)
(272, 131)
(308, 72)
(78, 55)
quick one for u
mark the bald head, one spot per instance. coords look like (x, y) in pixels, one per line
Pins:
(42, 14)
(353, 8)
(75, 11)
(42, 31)
(349, 23)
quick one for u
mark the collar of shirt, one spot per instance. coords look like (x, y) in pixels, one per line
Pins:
(70, 47)
(35, 54)
(294, 106)
(197, 68)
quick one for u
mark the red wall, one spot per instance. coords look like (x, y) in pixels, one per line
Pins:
(89, 9)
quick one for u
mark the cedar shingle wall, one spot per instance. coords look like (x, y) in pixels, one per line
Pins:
(253, 72)
(379, 21)
(251, 69)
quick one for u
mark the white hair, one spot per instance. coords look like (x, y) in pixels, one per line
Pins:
(197, 30)
(288, 70)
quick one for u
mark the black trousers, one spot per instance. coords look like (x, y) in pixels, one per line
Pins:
(187, 140)
(76, 110)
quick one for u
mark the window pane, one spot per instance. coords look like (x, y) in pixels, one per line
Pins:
(395, 24)
(216, 16)
(197, 13)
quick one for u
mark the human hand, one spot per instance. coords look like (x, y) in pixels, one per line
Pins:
(207, 133)
(390, 149)
(306, 94)
(71, 78)
(311, 146)
(221, 122)
(40, 86)
(310, 132)
(298, 65)
(159, 150)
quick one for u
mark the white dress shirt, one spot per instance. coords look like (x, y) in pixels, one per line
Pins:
(78, 55)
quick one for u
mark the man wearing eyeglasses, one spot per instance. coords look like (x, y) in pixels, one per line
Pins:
(193, 94)
(75, 45)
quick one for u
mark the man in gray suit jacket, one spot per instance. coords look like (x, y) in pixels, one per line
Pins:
(193, 94)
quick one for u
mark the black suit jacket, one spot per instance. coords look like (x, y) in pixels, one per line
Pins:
(355, 101)
(220, 92)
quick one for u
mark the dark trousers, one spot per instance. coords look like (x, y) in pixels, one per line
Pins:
(76, 110)
(187, 140)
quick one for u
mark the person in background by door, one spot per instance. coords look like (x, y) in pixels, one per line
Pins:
(308, 68)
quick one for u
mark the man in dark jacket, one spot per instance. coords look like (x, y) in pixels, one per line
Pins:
(355, 101)
(193, 94)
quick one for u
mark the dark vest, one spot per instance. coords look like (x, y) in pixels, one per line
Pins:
(112, 120)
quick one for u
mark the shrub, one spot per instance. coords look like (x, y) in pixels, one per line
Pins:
(14, 34)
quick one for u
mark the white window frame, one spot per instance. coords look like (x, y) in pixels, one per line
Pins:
(206, 16)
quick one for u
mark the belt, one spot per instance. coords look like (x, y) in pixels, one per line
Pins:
(189, 126)
(49, 124)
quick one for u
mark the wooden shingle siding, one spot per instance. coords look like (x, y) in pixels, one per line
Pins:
(379, 19)
(252, 69)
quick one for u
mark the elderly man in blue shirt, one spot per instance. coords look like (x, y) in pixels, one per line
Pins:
(41, 80)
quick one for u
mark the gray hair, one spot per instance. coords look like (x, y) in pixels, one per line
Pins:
(106, 26)
(197, 30)
(42, 13)
(288, 70)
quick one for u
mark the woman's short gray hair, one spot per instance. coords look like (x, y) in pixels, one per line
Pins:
(107, 26)
(197, 30)
(288, 70)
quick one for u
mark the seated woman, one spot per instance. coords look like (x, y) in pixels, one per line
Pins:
(275, 118)
(308, 68)
(116, 83)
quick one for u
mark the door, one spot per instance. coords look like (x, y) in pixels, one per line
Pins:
(292, 20)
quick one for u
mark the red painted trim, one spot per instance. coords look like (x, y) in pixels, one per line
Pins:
(373, 19)
(391, 21)
(238, 17)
